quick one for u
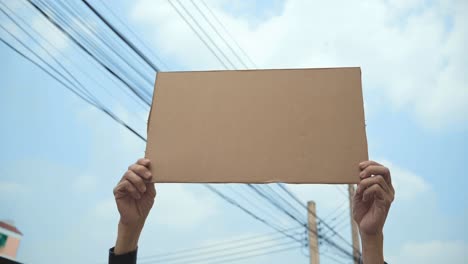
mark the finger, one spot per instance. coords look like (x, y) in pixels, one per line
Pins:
(151, 190)
(141, 170)
(366, 183)
(126, 188)
(367, 163)
(373, 191)
(144, 161)
(376, 170)
(132, 190)
(136, 180)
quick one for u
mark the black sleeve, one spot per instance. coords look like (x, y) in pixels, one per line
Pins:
(127, 258)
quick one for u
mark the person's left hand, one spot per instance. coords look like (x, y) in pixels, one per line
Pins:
(373, 198)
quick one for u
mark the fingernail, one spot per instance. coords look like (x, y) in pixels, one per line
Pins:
(144, 189)
(138, 196)
(361, 174)
(148, 174)
(364, 198)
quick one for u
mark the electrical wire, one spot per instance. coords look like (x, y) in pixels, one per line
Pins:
(229, 34)
(107, 112)
(230, 244)
(221, 253)
(133, 33)
(313, 213)
(233, 202)
(198, 35)
(58, 26)
(230, 257)
(219, 34)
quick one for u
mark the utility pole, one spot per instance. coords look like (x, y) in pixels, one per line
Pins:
(313, 234)
(354, 227)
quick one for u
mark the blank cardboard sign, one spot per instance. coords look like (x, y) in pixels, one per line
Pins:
(257, 126)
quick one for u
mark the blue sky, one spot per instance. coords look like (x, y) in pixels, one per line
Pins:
(61, 158)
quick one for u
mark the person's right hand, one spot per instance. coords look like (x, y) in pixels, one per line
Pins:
(135, 193)
(134, 196)
(371, 204)
(374, 195)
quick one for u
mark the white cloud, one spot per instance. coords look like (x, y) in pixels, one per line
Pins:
(84, 184)
(178, 206)
(407, 184)
(432, 252)
(406, 49)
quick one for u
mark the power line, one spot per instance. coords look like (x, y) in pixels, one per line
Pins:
(133, 33)
(224, 258)
(221, 253)
(341, 191)
(227, 32)
(262, 194)
(81, 87)
(327, 240)
(232, 243)
(106, 42)
(133, 89)
(267, 186)
(233, 202)
(107, 112)
(329, 215)
(122, 37)
(219, 35)
(324, 223)
(15, 18)
(206, 35)
(198, 35)
(255, 205)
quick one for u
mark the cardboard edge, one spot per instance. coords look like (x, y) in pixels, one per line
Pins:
(153, 100)
(363, 114)
(255, 182)
(287, 69)
(352, 181)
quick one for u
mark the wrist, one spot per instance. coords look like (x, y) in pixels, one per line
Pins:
(372, 248)
(127, 237)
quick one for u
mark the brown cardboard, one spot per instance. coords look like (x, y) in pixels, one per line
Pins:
(257, 126)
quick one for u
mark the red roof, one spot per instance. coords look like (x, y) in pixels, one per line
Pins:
(10, 227)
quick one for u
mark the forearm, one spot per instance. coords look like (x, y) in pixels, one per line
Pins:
(127, 238)
(372, 249)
